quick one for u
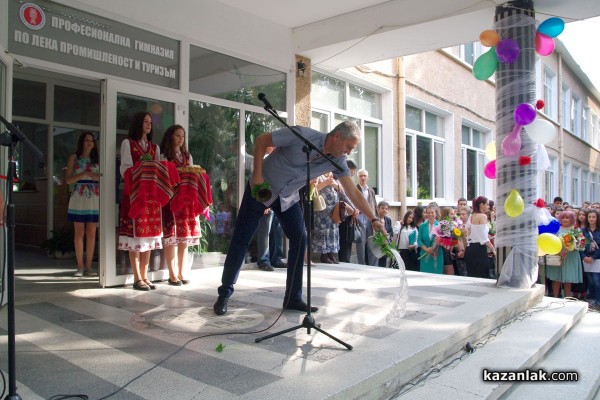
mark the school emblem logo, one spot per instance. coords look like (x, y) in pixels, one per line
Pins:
(32, 16)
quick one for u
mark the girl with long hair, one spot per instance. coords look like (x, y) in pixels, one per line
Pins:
(476, 254)
(181, 228)
(143, 234)
(83, 170)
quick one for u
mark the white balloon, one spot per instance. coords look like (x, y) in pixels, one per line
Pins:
(541, 131)
(543, 161)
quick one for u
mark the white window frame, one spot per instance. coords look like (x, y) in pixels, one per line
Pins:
(576, 115)
(487, 137)
(576, 186)
(566, 107)
(446, 140)
(549, 94)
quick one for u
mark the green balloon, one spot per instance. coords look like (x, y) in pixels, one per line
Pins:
(486, 64)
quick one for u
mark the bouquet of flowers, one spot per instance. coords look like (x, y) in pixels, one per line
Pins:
(574, 239)
(447, 233)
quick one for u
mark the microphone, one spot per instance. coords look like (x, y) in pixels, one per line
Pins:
(16, 133)
(263, 98)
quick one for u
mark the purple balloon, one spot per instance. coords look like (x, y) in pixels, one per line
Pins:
(507, 50)
(525, 113)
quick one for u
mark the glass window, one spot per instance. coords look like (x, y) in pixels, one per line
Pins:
(225, 77)
(213, 143)
(328, 92)
(76, 106)
(576, 116)
(549, 93)
(409, 166)
(434, 124)
(371, 146)
(319, 121)
(256, 124)
(438, 158)
(566, 107)
(162, 112)
(466, 135)
(424, 167)
(29, 99)
(413, 118)
(364, 102)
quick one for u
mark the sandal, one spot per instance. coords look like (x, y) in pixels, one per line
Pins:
(149, 284)
(141, 285)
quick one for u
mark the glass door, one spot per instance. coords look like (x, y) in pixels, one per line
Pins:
(120, 101)
(6, 77)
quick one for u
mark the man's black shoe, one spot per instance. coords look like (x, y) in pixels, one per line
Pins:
(299, 306)
(280, 264)
(220, 306)
(265, 267)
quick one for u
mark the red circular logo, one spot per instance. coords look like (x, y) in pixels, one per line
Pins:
(32, 16)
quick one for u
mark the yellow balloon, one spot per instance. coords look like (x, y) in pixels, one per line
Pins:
(549, 243)
(489, 38)
(514, 205)
(490, 150)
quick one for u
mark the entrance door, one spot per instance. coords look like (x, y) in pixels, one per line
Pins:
(120, 101)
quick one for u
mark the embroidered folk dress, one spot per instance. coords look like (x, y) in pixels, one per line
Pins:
(143, 233)
(183, 225)
(84, 203)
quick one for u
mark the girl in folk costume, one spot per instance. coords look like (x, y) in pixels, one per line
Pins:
(142, 234)
(83, 170)
(181, 224)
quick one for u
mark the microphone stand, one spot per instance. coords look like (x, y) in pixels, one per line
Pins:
(10, 140)
(309, 321)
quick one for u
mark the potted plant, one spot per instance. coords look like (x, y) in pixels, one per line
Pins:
(60, 245)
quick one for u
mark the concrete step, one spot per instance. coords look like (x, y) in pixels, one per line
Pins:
(578, 351)
(519, 344)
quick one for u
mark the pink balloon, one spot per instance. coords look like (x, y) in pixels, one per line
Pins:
(490, 170)
(512, 143)
(544, 44)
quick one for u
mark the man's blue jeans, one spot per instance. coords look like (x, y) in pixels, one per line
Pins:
(269, 240)
(292, 223)
(593, 287)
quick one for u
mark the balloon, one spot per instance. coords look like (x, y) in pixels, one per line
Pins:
(485, 65)
(544, 44)
(541, 131)
(507, 51)
(524, 160)
(514, 205)
(525, 113)
(549, 243)
(543, 161)
(552, 27)
(490, 170)
(540, 104)
(551, 227)
(489, 38)
(541, 253)
(490, 150)
(512, 143)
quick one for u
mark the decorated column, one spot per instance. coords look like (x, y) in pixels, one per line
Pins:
(519, 156)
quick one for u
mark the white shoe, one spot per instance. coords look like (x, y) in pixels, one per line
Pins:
(79, 273)
(90, 273)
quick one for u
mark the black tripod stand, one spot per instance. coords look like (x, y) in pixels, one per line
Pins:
(309, 321)
(10, 139)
